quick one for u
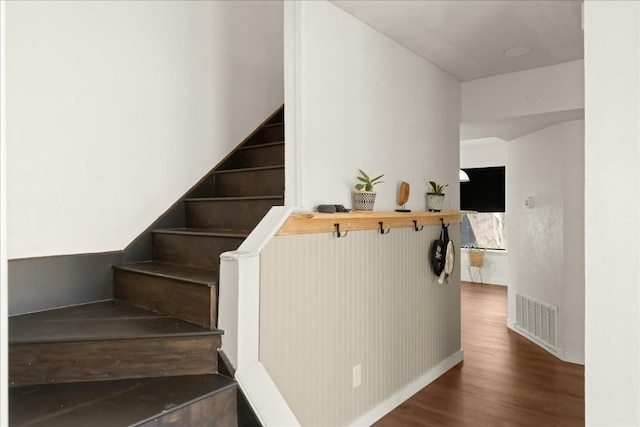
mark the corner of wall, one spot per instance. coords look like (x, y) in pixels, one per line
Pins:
(4, 292)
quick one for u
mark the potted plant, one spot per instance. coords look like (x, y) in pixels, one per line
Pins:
(476, 255)
(435, 197)
(364, 197)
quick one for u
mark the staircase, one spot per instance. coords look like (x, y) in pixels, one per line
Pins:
(149, 357)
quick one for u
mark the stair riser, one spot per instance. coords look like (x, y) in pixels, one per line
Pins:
(221, 407)
(191, 303)
(278, 118)
(228, 214)
(273, 133)
(193, 251)
(84, 361)
(270, 155)
(267, 182)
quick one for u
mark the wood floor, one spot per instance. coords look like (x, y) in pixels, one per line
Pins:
(505, 380)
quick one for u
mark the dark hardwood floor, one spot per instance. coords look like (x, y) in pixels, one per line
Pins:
(504, 380)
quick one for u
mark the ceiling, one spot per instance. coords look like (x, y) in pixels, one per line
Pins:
(468, 38)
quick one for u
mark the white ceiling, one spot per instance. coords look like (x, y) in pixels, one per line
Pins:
(467, 38)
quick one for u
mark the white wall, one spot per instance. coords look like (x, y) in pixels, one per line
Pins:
(483, 153)
(495, 269)
(4, 302)
(366, 102)
(546, 247)
(115, 109)
(612, 213)
(545, 244)
(538, 91)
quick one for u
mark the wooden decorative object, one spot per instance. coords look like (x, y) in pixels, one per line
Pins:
(403, 196)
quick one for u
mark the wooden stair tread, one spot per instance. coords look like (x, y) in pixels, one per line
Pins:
(184, 273)
(232, 199)
(271, 125)
(259, 168)
(106, 320)
(209, 232)
(268, 144)
(110, 403)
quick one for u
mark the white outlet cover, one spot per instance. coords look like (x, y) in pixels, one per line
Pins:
(357, 375)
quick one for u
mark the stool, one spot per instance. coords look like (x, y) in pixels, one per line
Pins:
(475, 273)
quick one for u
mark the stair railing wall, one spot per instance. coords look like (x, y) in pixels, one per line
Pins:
(239, 317)
(317, 315)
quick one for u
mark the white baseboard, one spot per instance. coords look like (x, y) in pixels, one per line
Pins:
(485, 282)
(565, 355)
(511, 325)
(571, 356)
(412, 388)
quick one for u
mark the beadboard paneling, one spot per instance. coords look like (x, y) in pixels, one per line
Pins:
(328, 304)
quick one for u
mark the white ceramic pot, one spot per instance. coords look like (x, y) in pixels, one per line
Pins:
(435, 202)
(363, 200)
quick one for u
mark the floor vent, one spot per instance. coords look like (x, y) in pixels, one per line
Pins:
(537, 319)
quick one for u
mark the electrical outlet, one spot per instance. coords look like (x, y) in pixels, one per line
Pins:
(357, 375)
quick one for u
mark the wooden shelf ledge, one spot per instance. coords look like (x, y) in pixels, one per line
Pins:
(315, 222)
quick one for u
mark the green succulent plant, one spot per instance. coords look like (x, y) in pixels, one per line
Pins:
(367, 183)
(437, 188)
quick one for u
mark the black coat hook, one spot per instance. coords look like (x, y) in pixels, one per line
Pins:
(415, 226)
(382, 229)
(338, 235)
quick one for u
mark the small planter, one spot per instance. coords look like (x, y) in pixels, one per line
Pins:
(476, 257)
(435, 202)
(363, 200)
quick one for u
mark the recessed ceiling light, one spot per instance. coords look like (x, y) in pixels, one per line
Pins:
(517, 51)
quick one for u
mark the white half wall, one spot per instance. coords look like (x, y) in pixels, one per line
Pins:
(115, 109)
(363, 101)
(495, 269)
(546, 246)
(366, 303)
(612, 213)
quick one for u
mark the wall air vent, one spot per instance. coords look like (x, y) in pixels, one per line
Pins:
(538, 320)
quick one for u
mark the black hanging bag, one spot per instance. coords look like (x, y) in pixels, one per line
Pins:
(439, 251)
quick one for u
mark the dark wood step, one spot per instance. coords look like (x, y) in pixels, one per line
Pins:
(195, 247)
(204, 400)
(231, 213)
(186, 293)
(272, 132)
(277, 117)
(271, 154)
(198, 276)
(262, 181)
(258, 155)
(105, 341)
